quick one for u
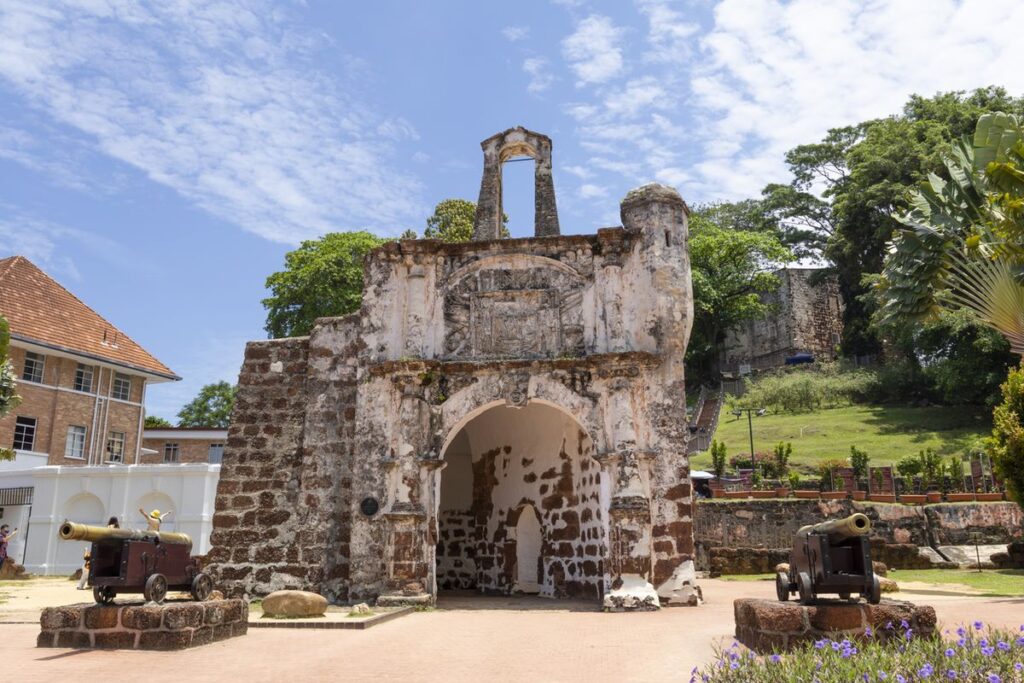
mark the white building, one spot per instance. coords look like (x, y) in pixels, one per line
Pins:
(38, 500)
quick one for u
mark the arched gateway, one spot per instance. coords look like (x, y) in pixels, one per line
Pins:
(501, 415)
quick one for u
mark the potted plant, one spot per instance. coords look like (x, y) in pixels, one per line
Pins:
(793, 479)
(757, 487)
(989, 496)
(859, 463)
(955, 477)
(831, 484)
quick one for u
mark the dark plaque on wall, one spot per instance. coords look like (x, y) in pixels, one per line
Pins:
(369, 506)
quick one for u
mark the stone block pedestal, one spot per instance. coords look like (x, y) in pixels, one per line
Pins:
(143, 626)
(771, 626)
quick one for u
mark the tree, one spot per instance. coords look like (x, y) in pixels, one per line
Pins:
(1006, 445)
(9, 398)
(731, 270)
(452, 221)
(408, 234)
(323, 277)
(210, 408)
(154, 422)
(861, 175)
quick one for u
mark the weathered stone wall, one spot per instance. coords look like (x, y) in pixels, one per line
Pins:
(257, 527)
(807, 319)
(897, 530)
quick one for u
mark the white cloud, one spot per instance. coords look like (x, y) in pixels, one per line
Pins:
(541, 77)
(670, 35)
(225, 103)
(589, 191)
(515, 33)
(594, 51)
(776, 74)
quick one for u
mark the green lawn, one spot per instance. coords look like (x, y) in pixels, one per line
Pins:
(886, 433)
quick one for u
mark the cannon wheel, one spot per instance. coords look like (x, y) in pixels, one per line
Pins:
(202, 586)
(103, 595)
(155, 588)
(782, 586)
(875, 596)
(804, 586)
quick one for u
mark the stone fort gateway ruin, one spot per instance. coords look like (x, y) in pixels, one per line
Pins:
(502, 415)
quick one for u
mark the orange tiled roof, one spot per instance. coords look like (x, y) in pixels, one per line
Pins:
(40, 310)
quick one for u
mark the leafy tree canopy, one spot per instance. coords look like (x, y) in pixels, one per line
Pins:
(323, 277)
(731, 269)
(850, 187)
(210, 408)
(154, 422)
(452, 221)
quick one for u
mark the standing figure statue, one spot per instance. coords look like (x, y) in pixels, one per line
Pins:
(154, 519)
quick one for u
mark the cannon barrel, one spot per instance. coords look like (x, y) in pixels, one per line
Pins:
(72, 531)
(837, 530)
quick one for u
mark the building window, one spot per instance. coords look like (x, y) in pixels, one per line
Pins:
(216, 453)
(33, 371)
(122, 387)
(74, 447)
(83, 378)
(24, 433)
(171, 452)
(115, 447)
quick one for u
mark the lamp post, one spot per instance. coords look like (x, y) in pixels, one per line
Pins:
(750, 426)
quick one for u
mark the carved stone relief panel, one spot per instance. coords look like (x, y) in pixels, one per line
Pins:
(509, 312)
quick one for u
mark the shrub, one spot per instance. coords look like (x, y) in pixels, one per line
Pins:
(782, 453)
(954, 474)
(931, 466)
(859, 462)
(827, 472)
(896, 654)
(805, 390)
(718, 457)
(794, 480)
(1006, 445)
(909, 467)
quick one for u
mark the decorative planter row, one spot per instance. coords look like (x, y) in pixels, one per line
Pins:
(906, 498)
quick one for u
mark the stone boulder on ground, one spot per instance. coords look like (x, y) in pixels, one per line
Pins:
(291, 603)
(879, 568)
(12, 570)
(888, 585)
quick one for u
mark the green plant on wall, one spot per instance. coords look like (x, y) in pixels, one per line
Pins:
(9, 398)
(794, 480)
(931, 466)
(877, 480)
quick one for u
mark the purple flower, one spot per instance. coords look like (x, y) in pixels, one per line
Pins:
(835, 646)
(983, 642)
(1003, 646)
(950, 674)
(889, 626)
(994, 678)
(962, 642)
(904, 624)
(818, 644)
(900, 678)
(1020, 641)
(961, 632)
(734, 665)
(868, 632)
(776, 658)
(987, 651)
(1018, 666)
(734, 645)
(925, 671)
(909, 634)
(950, 652)
(882, 675)
(978, 625)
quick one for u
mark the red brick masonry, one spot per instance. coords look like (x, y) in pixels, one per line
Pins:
(171, 626)
(771, 626)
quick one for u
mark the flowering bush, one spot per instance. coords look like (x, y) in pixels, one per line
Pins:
(971, 653)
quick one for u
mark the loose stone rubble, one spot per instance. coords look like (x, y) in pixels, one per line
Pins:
(503, 415)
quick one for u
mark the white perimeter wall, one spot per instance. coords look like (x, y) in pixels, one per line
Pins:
(91, 495)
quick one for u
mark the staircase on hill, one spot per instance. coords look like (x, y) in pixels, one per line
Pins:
(702, 429)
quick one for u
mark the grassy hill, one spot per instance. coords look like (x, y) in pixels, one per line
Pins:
(886, 433)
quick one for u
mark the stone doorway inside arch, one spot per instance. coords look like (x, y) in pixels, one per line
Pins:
(522, 507)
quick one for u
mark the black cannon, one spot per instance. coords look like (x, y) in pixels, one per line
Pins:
(831, 557)
(147, 562)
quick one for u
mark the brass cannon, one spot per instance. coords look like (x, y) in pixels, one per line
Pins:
(132, 561)
(831, 557)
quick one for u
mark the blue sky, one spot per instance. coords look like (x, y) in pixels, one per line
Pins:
(160, 158)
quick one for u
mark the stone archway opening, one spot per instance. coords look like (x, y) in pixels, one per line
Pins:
(521, 507)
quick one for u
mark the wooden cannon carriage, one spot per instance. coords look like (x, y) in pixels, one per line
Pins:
(147, 562)
(831, 557)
